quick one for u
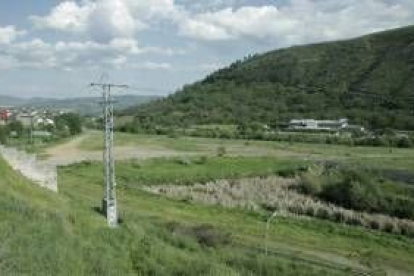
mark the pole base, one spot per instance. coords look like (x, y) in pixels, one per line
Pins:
(104, 206)
(112, 216)
(110, 212)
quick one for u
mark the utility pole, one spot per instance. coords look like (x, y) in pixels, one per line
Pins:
(109, 205)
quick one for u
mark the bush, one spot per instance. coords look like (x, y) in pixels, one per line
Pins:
(201, 160)
(311, 181)
(3, 135)
(404, 142)
(70, 121)
(184, 161)
(221, 151)
(205, 235)
(357, 189)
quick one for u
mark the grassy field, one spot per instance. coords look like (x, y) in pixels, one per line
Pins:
(186, 170)
(42, 233)
(380, 157)
(308, 239)
(47, 234)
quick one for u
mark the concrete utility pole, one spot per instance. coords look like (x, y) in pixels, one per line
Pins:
(109, 206)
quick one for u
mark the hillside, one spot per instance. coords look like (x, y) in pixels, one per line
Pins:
(43, 233)
(85, 106)
(318, 81)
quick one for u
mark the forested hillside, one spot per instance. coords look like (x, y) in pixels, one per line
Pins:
(314, 81)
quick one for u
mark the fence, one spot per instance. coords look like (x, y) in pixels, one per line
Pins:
(41, 173)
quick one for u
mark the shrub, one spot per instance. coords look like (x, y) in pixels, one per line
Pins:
(221, 151)
(184, 161)
(311, 183)
(204, 234)
(404, 142)
(201, 160)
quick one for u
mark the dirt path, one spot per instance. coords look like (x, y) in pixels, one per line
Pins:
(69, 153)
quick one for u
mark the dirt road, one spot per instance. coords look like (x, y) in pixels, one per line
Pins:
(69, 153)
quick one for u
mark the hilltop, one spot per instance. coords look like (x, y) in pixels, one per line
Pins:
(315, 81)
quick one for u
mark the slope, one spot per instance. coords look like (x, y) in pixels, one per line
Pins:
(319, 80)
(43, 234)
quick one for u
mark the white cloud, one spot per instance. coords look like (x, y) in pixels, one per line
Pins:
(67, 16)
(289, 22)
(104, 20)
(117, 54)
(111, 19)
(298, 21)
(9, 33)
(150, 65)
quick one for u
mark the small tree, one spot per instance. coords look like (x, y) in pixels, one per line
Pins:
(17, 127)
(3, 135)
(221, 151)
(71, 121)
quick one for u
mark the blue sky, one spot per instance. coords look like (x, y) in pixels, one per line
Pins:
(54, 48)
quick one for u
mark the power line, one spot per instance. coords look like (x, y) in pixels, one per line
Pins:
(109, 204)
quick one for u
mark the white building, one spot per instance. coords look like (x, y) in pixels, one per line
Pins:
(311, 124)
(29, 119)
(25, 118)
(43, 121)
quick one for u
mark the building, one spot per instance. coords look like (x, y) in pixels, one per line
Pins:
(4, 116)
(42, 134)
(25, 118)
(311, 124)
(42, 121)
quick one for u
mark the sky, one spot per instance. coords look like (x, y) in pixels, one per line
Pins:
(51, 48)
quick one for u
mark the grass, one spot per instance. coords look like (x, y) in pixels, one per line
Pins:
(46, 234)
(66, 231)
(159, 236)
(379, 157)
(310, 237)
(186, 170)
(94, 142)
(39, 146)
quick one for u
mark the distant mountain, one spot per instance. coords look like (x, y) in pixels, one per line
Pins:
(84, 106)
(370, 80)
(10, 101)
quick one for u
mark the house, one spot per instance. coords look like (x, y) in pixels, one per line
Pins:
(311, 124)
(25, 118)
(33, 119)
(4, 116)
(42, 121)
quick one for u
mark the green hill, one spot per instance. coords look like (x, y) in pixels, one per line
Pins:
(315, 81)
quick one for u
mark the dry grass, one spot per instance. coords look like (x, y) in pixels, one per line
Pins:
(279, 195)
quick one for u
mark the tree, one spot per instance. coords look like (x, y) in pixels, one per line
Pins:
(3, 134)
(17, 127)
(72, 121)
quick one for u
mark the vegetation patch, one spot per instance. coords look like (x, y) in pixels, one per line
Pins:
(205, 234)
(359, 189)
(187, 170)
(280, 195)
